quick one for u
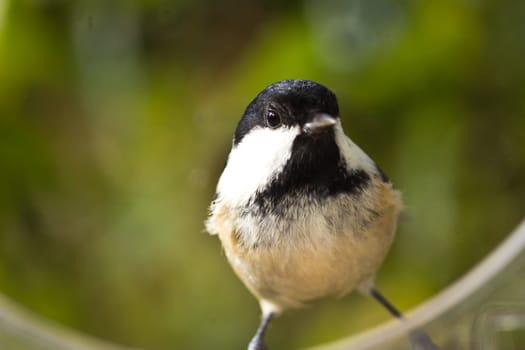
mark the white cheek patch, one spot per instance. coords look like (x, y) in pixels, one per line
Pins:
(252, 163)
(354, 156)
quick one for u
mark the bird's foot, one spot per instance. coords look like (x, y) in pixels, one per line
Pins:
(421, 341)
(257, 344)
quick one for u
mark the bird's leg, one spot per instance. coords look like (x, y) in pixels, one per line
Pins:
(419, 339)
(257, 342)
(386, 304)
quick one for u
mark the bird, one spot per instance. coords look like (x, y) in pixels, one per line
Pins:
(301, 211)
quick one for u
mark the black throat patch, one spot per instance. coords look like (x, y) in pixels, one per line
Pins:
(315, 171)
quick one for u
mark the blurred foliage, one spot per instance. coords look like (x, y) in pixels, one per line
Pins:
(116, 118)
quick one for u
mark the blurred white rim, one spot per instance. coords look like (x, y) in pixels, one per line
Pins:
(459, 292)
(35, 332)
(21, 324)
(3, 13)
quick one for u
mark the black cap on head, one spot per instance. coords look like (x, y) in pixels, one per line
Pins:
(287, 103)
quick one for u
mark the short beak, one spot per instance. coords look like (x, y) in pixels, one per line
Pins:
(319, 123)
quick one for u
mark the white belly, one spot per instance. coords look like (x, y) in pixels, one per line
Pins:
(323, 250)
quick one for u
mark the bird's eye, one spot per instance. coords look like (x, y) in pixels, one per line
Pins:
(273, 119)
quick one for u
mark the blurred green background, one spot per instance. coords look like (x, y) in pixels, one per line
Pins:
(116, 118)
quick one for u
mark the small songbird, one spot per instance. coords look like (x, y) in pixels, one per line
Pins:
(301, 211)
